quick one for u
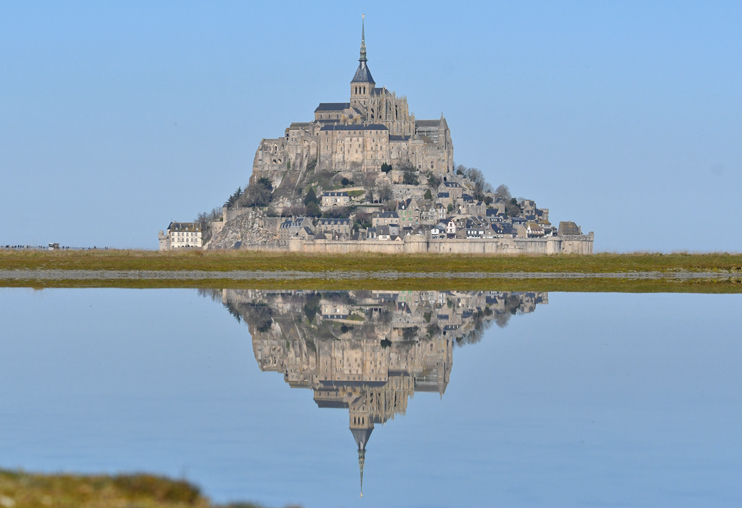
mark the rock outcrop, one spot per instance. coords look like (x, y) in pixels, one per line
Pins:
(249, 227)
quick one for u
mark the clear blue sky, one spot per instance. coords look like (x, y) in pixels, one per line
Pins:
(625, 117)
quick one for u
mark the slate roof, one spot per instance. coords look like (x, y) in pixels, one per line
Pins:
(354, 127)
(332, 106)
(395, 137)
(363, 74)
(427, 123)
(333, 222)
(179, 227)
(386, 215)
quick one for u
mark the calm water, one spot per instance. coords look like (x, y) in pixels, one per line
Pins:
(445, 399)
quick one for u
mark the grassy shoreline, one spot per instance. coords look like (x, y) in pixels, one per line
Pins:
(19, 489)
(729, 286)
(219, 261)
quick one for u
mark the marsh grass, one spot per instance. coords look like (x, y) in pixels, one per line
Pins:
(711, 286)
(25, 490)
(216, 261)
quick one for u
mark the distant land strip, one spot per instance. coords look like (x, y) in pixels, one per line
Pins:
(338, 280)
(289, 275)
(373, 265)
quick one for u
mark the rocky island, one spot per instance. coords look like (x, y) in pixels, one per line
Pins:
(367, 176)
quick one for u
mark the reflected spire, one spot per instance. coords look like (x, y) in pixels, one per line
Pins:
(361, 462)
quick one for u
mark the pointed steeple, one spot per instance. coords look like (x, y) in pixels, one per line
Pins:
(363, 75)
(363, 39)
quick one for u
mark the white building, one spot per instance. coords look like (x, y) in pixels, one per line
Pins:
(181, 235)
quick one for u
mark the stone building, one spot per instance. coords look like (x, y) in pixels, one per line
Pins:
(335, 198)
(180, 235)
(334, 227)
(374, 127)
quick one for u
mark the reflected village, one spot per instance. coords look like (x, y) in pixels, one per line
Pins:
(368, 351)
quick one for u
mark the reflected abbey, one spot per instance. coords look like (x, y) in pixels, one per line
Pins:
(368, 351)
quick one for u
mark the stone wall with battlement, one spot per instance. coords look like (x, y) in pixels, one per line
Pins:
(505, 246)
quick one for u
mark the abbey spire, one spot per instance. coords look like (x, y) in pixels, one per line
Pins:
(362, 84)
(363, 39)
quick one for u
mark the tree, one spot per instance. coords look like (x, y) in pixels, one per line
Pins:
(487, 200)
(311, 196)
(313, 209)
(205, 219)
(386, 167)
(450, 208)
(338, 212)
(258, 194)
(233, 198)
(344, 182)
(481, 187)
(433, 180)
(385, 193)
(428, 194)
(502, 193)
(410, 178)
(512, 208)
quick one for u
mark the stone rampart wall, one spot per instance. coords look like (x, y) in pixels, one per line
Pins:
(505, 246)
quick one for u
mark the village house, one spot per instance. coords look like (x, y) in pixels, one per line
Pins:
(291, 227)
(450, 226)
(334, 227)
(408, 212)
(438, 232)
(383, 233)
(384, 218)
(335, 198)
(474, 231)
(534, 230)
(453, 189)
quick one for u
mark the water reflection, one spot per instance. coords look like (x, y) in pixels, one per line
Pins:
(368, 351)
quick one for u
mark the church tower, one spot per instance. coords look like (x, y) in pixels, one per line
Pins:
(362, 83)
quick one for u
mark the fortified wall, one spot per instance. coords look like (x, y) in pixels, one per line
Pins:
(581, 244)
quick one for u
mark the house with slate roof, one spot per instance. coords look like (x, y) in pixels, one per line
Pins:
(335, 198)
(181, 235)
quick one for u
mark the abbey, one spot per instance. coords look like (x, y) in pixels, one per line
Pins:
(374, 128)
